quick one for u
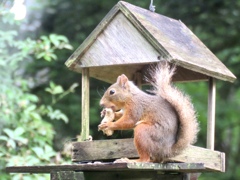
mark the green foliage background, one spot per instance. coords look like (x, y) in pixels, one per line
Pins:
(215, 22)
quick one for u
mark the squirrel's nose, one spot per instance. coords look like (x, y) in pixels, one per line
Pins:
(102, 104)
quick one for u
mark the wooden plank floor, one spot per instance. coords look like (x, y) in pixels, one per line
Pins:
(119, 148)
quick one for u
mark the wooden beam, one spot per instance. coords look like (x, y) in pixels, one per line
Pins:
(211, 113)
(85, 105)
(181, 167)
(164, 167)
(67, 167)
(113, 175)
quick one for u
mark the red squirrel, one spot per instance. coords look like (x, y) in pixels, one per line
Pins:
(164, 123)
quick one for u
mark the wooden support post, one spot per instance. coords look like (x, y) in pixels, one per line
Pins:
(85, 105)
(211, 113)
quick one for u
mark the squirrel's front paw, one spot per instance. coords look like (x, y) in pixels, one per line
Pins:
(105, 126)
(102, 126)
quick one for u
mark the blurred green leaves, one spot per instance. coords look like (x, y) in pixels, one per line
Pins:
(58, 92)
(26, 134)
(14, 137)
(44, 153)
(45, 47)
(54, 89)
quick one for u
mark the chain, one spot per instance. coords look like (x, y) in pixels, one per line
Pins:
(151, 6)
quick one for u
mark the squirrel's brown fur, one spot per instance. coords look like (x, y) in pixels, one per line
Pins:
(164, 124)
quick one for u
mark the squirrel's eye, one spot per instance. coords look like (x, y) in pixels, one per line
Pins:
(111, 92)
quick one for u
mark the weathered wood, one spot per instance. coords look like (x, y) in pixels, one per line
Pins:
(123, 175)
(143, 171)
(107, 74)
(134, 175)
(181, 75)
(85, 105)
(103, 149)
(176, 42)
(124, 7)
(211, 113)
(186, 75)
(96, 150)
(120, 43)
(212, 160)
(130, 174)
(75, 59)
(70, 167)
(130, 35)
(67, 175)
(167, 167)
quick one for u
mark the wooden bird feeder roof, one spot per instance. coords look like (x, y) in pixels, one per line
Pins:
(130, 38)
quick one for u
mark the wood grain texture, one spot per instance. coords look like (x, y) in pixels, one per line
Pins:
(211, 113)
(182, 46)
(112, 171)
(103, 149)
(123, 175)
(107, 74)
(212, 160)
(68, 167)
(96, 150)
(120, 43)
(169, 167)
(74, 61)
(85, 105)
(130, 35)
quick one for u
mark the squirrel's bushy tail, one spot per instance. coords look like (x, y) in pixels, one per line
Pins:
(188, 125)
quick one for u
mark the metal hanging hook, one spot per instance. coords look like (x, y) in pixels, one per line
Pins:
(151, 6)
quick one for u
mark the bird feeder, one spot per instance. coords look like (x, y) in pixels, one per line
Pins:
(129, 40)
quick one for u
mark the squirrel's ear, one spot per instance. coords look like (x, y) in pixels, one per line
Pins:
(122, 81)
